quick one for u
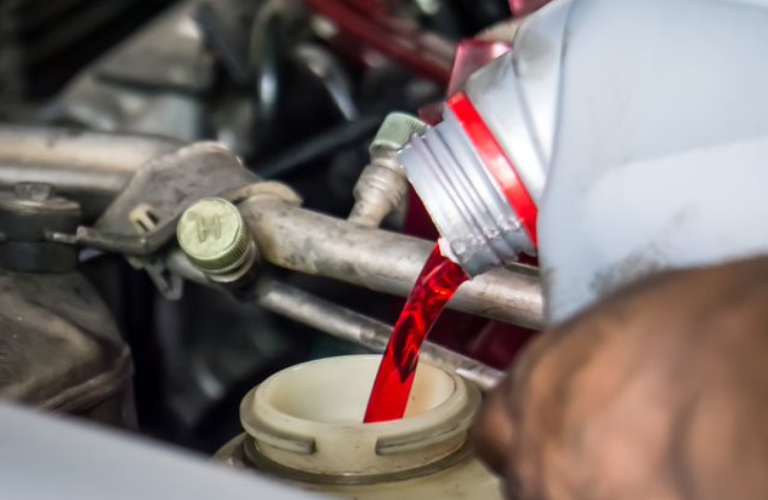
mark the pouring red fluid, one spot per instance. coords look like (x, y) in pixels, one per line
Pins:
(438, 281)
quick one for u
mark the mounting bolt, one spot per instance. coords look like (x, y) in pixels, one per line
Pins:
(213, 235)
(35, 223)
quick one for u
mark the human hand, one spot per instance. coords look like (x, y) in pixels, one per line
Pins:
(659, 392)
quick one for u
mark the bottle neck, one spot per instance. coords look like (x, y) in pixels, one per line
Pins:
(482, 171)
(472, 190)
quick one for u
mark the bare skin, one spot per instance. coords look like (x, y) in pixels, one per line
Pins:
(657, 393)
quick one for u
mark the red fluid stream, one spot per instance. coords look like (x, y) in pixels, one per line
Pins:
(438, 281)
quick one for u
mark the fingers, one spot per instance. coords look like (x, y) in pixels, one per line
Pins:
(538, 429)
(493, 432)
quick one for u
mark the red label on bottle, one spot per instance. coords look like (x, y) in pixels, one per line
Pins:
(496, 162)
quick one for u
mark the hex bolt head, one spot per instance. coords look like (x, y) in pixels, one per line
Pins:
(213, 234)
(396, 131)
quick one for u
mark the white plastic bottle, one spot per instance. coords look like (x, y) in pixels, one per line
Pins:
(304, 426)
(616, 139)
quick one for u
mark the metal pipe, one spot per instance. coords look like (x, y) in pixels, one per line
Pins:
(308, 242)
(92, 167)
(362, 330)
(341, 322)
(88, 167)
(178, 263)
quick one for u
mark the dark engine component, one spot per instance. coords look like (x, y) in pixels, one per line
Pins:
(43, 43)
(60, 349)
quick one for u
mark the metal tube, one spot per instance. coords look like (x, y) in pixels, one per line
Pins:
(92, 167)
(88, 167)
(342, 323)
(312, 243)
(178, 263)
(360, 329)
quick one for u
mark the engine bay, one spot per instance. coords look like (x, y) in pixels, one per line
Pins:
(120, 116)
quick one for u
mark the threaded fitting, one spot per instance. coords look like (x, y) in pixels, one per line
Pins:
(396, 130)
(213, 235)
(382, 186)
(464, 201)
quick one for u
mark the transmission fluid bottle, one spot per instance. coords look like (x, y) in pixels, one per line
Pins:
(617, 138)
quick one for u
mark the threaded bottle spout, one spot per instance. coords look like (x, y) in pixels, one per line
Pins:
(464, 198)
